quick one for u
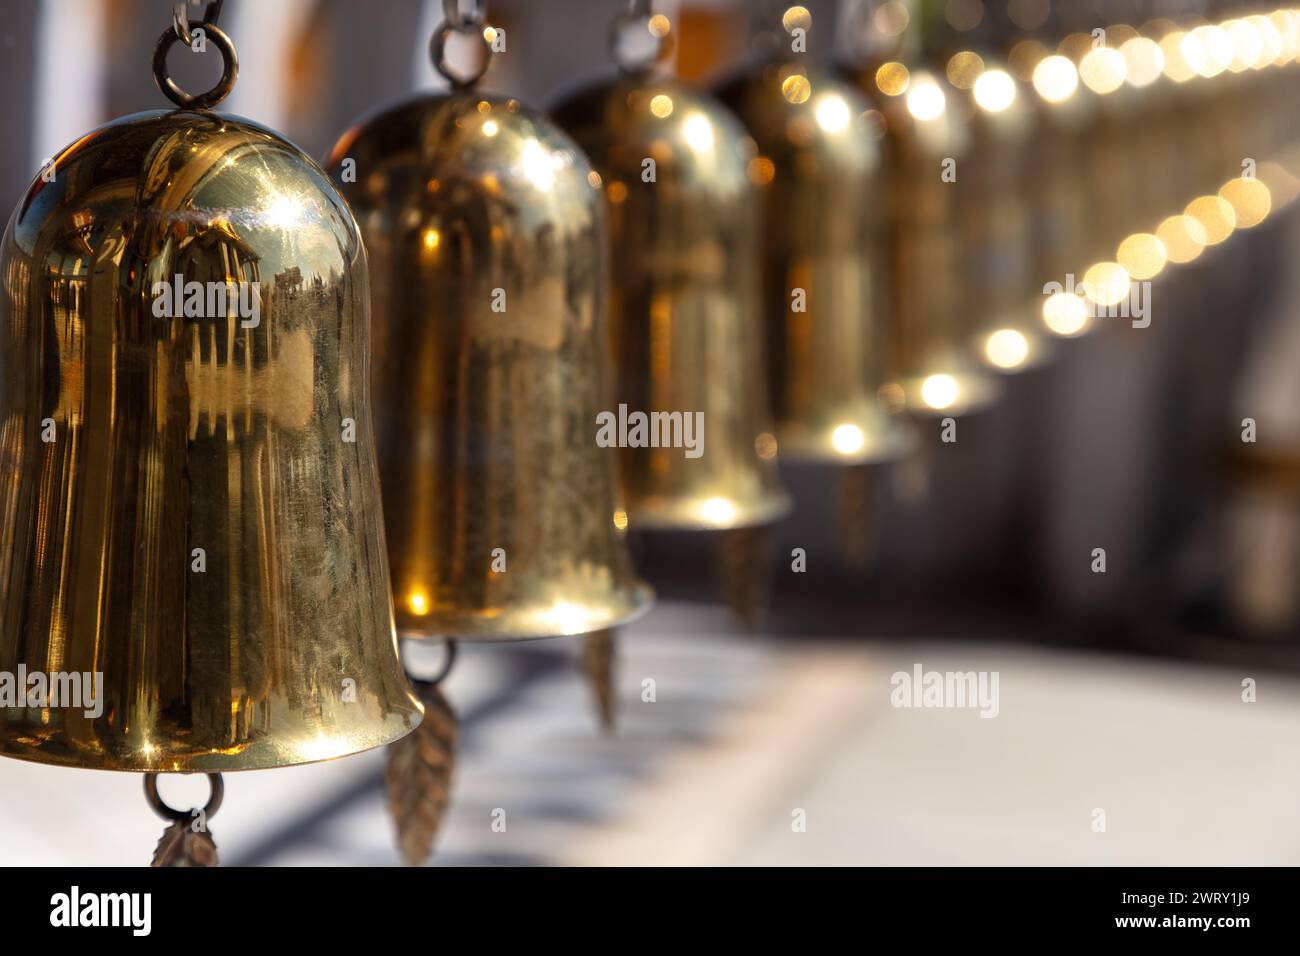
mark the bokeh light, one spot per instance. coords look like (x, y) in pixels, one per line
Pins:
(1056, 79)
(1142, 255)
(995, 90)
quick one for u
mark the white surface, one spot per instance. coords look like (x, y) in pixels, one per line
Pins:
(744, 731)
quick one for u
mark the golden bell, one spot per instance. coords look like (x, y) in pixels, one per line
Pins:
(996, 222)
(933, 367)
(189, 503)
(1061, 234)
(485, 234)
(687, 329)
(818, 170)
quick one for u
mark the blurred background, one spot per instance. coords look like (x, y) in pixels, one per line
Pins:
(1120, 690)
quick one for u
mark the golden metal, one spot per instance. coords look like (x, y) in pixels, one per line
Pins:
(932, 324)
(818, 170)
(995, 223)
(485, 232)
(687, 329)
(129, 441)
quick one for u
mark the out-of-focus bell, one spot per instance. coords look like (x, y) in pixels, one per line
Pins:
(189, 503)
(687, 327)
(485, 233)
(926, 137)
(994, 214)
(1060, 234)
(818, 170)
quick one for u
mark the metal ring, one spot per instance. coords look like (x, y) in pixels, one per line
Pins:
(477, 12)
(181, 19)
(638, 14)
(448, 661)
(203, 101)
(438, 50)
(161, 808)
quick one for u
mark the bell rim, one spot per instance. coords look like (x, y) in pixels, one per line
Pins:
(207, 765)
(1043, 350)
(980, 386)
(887, 439)
(770, 509)
(639, 598)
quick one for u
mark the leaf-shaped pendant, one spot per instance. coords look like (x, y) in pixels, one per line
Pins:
(598, 652)
(182, 845)
(419, 776)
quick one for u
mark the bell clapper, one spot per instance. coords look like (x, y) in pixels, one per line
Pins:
(599, 659)
(420, 767)
(745, 567)
(911, 484)
(187, 841)
(854, 515)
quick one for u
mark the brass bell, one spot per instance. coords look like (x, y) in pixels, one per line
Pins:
(818, 171)
(189, 503)
(485, 231)
(995, 216)
(926, 136)
(1060, 234)
(687, 326)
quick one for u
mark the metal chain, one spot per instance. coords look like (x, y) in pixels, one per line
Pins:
(160, 807)
(181, 20)
(475, 16)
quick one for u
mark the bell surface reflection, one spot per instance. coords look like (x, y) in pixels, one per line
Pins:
(189, 504)
(485, 232)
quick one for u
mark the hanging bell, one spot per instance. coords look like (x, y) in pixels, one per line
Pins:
(995, 219)
(485, 235)
(189, 506)
(932, 367)
(484, 229)
(687, 328)
(818, 170)
(1060, 233)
